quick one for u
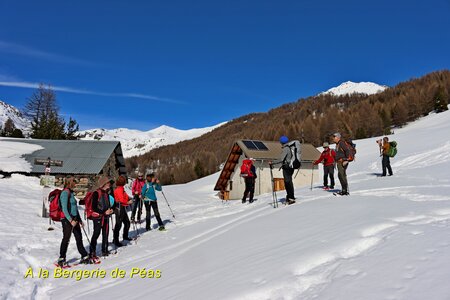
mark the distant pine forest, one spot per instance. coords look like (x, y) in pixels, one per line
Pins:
(311, 119)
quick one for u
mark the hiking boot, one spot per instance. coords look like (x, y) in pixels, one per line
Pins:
(117, 244)
(127, 238)
(243, 201)
(250, 201)
(290, 201)
(147, 229)
(343, 193)
(105, 253)
(62, 263)
(162, 228)
(85, 260)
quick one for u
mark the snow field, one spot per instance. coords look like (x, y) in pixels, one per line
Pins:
(390, 239)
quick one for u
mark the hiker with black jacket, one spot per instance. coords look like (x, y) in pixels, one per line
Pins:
(102, 207)
(71, 223)
(285, 158)
(342, 158)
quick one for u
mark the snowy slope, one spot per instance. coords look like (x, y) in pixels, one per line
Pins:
(388, 240)
(135, 142)
(9, 111)
(350, 87)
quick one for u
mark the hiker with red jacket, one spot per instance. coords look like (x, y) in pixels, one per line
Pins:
(122, 201)
(102, 208)
(248, 171)
(343, 155)
(136, 189)
(328, 157)
(70, 223)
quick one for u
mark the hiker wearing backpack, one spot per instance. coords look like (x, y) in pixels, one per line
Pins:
(136, 189)
(122, 200)
(343, 156)
(328, 157)
(101, 207)
(289, 160)
(385, 148)
(248, 171)
(150, 201)
(71, 222)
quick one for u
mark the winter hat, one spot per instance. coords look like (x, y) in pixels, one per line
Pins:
(337, 134)
(326, 145)
(284, 139)
(102, 181)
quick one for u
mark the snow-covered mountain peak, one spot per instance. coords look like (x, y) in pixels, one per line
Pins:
(8, 111)
(350, 87)
(135, 142)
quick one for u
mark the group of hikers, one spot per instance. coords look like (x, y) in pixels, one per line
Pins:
(339, 158)
(106, 201)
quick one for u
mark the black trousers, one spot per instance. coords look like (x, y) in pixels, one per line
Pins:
(121, 218)
(154, 206)
(100, 225)
(328, 171)
(288, 184)
(342, 175)
(386, 164)
(67, 232)
(137, 206)
(249, 188)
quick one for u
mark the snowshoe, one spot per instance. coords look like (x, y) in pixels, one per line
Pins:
(62, 263)
(86, 260)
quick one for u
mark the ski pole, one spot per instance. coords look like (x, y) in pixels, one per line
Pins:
(312, 175)
(85, 234)
(274, 193)
(168, 204)
(140, 213)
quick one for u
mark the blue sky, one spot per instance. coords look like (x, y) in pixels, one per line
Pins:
(189, 64)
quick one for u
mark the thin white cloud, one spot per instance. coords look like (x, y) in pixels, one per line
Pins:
(16, 49)
(33, 85)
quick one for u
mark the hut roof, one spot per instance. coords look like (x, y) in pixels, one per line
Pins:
(79, 157)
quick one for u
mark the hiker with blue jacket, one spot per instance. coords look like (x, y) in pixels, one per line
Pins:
(71, 223)
(150, 201)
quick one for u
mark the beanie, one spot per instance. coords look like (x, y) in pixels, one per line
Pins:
(284, 139)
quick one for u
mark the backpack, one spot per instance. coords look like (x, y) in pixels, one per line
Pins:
(55, 209)
(295, 161)
(352, 149)
(246, 169)
(89, 212)
(392, 149)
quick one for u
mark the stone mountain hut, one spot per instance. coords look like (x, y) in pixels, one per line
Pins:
(85, 160)
(231, 185)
